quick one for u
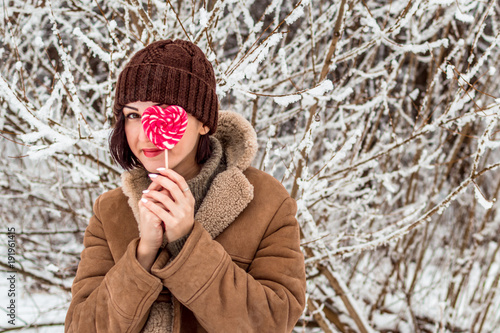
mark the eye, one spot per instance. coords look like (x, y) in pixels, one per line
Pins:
(133, 115)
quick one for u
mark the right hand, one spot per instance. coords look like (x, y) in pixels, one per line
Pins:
(152, 230)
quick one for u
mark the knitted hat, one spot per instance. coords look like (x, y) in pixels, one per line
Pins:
(174, 73)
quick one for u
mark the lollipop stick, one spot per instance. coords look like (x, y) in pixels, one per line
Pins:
(166, 159)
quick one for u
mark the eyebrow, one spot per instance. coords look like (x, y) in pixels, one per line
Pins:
(135, 109)
(130, 107)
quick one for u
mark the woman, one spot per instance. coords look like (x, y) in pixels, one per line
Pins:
(209, 244)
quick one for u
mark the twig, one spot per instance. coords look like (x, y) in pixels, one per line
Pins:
(324, 71)
(36, 277)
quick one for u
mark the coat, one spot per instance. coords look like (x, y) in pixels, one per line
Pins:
(240, 270)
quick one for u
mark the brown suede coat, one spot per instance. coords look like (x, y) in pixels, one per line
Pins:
(240, 270)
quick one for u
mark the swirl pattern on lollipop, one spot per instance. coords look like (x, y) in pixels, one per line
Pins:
(164, 127)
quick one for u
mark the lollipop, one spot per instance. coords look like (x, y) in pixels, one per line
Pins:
(164, 127)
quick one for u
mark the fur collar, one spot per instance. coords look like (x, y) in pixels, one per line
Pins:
(230, 191)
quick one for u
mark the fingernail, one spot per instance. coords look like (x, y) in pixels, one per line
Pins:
(161, 169)
(145, 191)
(144, 200)
(153, 175)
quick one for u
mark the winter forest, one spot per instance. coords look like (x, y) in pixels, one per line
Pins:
(381, 118)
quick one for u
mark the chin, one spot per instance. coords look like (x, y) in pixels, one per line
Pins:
(152, 164)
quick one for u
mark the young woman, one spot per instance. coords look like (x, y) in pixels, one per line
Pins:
(209, 244)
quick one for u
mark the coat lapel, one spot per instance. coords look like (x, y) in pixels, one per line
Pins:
(133, 183)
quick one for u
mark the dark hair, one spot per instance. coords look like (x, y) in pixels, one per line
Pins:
(122, 154)
(118, 145)
(204, 150)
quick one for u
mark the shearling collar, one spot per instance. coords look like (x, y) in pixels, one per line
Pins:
(230, 191)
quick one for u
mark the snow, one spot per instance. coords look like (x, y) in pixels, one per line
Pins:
(203, 17)
(284, 68)
(35, 308)
(321, 89)
(450, 72)
(342, 94)
(464, 17)
(297, 12)
(272, 6)
(414, 94)
(481, 199)
(286, 100)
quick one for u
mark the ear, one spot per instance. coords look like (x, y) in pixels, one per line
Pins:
(204, 130)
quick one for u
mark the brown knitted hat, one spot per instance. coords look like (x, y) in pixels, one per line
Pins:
(174, 73)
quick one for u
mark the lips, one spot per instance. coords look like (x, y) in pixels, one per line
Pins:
(151, 152)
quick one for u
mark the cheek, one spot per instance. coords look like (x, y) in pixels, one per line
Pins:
(131, 133)
(188, 141)
(190, 132)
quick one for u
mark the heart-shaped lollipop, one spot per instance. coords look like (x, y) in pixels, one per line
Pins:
(164, 127)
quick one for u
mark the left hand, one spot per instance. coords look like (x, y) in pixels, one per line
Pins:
(167, 200)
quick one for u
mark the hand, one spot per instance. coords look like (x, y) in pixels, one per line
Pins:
(169, 203)
(152, 229)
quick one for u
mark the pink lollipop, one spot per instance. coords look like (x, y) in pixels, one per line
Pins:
(164, 127)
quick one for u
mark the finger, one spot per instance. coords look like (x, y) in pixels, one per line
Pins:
(154, 186)
(156, 222)
(168, 184)
(162, 191)
(176, 178)
(163, 200)
(180, 182)
(154, 208)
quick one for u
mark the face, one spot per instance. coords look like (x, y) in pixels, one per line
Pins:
(181, 158)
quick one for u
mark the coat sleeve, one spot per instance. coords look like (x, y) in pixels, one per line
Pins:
(270, 297)
(108, 296)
